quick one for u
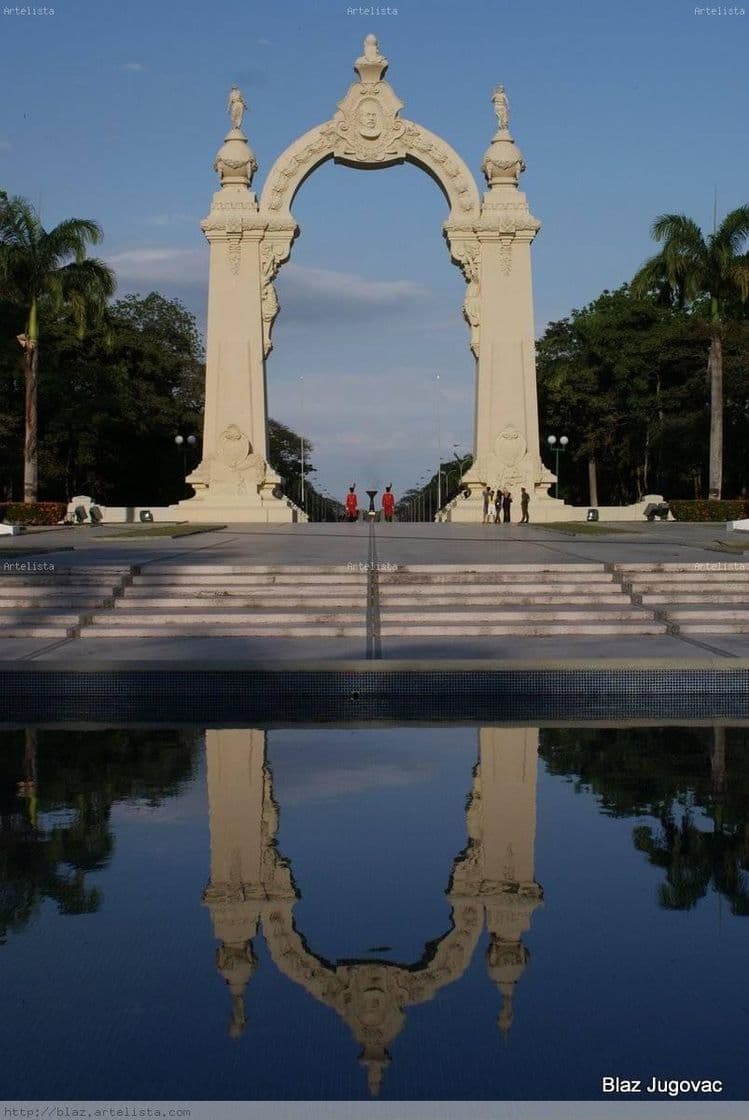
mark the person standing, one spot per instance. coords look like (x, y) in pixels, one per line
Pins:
(388, 503)
(352, 504)
(497, 507)
(524, 502)
(506, 507)
(487, 498)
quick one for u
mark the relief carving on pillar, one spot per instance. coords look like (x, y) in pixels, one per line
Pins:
(505, 255)
(272, 256)
(468, 256)
(234, 254)
(509, 465)
(235, 470)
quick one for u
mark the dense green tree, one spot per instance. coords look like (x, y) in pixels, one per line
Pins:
(112, 402)
(624, 379)
(693, 780)
(705, 274)
(57, 789)
(42, 270)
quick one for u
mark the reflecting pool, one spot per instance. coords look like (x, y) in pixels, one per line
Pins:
(340, 913)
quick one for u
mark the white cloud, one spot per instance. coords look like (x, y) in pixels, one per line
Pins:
(161, 265)
(169, 219)
(301, 282)
(307, 293)
(132, 66)
(5, 146)
(264, 43)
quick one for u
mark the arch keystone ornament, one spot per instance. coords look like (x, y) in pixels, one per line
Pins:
(488, 239)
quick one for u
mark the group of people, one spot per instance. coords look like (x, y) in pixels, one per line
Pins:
(498, 506)
(352, 504)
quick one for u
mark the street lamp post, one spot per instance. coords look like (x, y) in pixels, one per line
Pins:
(180, 441)
(557, 446)
(439, 446)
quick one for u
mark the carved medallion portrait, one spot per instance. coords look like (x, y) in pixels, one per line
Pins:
(369, 119)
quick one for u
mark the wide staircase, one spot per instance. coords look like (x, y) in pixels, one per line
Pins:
(243, 601)
(521, 600)
(51, 603)
(163, 600)
(708, 598)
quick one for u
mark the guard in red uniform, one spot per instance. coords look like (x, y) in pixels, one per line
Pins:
(388, 503)
(352, 505)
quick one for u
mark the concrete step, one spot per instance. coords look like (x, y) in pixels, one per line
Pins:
(60, 602)
(683, 566)
(516, 587)
(10, 579)
(482, 569)
(166, 569)
(447, 617)
(714, 627)
(708, 614)
(221, 618)
(677, 579)
(481, 579)
(694, 587)
(241, 600)
(525, 630)
(695, 598)
(37, 618)
(250, 580)
(32, 631)
(171, 631)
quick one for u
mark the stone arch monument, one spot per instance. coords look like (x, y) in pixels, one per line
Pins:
(491, 887)
(489, 239)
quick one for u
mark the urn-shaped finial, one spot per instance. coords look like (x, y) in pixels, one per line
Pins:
(372, 65)
(503, 161)
(235, 160)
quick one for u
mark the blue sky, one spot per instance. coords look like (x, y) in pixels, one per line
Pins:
(622, 111)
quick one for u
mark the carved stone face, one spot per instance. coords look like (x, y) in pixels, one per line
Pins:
(369, 117)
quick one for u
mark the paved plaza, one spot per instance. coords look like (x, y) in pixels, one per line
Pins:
(349, 546)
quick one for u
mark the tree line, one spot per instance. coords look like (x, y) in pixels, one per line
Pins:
(650, 383)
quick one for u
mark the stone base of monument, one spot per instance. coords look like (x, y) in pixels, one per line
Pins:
(543, 509)
(262, 509)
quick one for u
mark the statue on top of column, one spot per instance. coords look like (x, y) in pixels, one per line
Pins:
(236, 106)
(501, 108)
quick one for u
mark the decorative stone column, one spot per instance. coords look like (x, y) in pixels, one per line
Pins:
(234, 481)
(499, 310)
(247, 875)
(497, 869)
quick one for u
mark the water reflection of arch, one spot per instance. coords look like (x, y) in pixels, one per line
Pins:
(491, 887)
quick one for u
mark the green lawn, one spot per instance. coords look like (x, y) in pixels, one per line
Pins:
(128, 531)
(583, 528)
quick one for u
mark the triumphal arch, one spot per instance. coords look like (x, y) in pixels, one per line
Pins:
(488, 238)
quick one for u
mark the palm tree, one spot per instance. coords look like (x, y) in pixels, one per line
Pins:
(715, 269)
(41, 268)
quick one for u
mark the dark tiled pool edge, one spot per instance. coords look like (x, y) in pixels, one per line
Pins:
(257, 694)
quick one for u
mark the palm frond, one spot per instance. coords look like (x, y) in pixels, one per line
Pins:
(19, 224)
(678, 229)
(85, 287)
(733, 230)
(69, 239)
(739, 273)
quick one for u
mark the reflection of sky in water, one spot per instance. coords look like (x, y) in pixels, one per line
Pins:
(127, 1001)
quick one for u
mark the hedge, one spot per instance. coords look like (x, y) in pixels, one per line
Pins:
(704, 510)
(33, 513)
